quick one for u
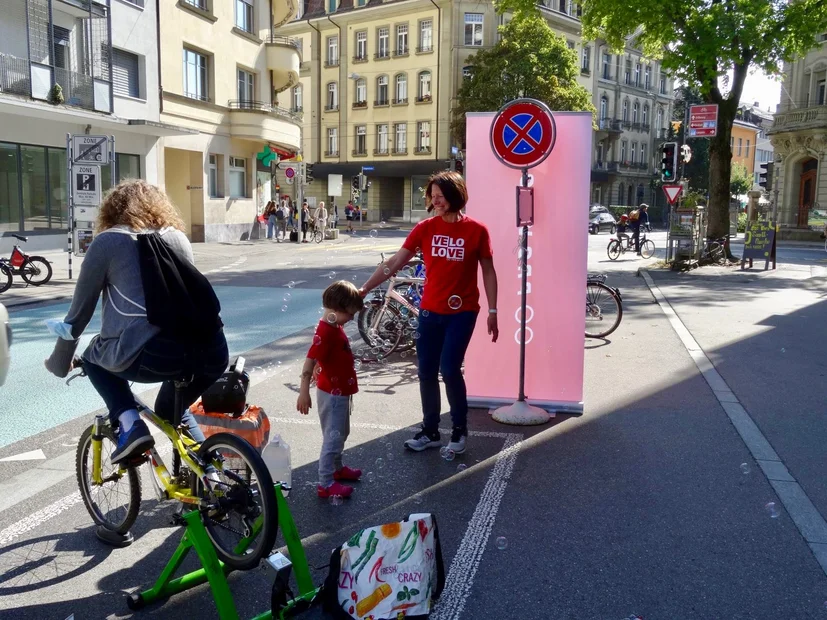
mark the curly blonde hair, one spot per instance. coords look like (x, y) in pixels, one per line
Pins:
(138, 205)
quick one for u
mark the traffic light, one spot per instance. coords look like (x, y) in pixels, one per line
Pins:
(363, 182)
(765, 176)
(354, 183)
(669, 162)
(308, 174)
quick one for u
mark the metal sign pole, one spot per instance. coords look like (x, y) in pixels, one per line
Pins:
(524, 294)
(70, 240)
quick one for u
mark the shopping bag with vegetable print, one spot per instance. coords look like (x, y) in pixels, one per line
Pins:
(387, 572)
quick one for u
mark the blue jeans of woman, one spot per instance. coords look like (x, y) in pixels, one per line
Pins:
(163, 359)
(271, 226)
(443, 340)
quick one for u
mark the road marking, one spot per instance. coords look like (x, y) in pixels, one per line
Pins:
(38, 518)
(33, 455)
(229, 267)
(809, 522)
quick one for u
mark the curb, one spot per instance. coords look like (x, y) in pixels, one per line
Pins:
(806, 517)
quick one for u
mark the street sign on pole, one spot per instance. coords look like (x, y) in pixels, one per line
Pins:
(523, 133)
(290, 173)
(672, 192)
(286, 165)
(367, 168)
(90, 149)
(703, 121)
(86, 189)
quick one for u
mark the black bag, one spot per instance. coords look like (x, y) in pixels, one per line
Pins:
(229, 393)
(179, 298)
(294, 235)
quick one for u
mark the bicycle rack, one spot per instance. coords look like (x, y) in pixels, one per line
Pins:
(215, 572)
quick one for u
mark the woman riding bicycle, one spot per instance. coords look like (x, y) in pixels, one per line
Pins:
(129, 347)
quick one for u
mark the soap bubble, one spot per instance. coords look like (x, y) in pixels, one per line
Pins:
(357, 365)
(387, 271)
(413, 322)
(287, 297)
(455, 302)
(334, 435)
(772, 509)
(336, 500)
(371, 476)
(291, 284)
(317, 340)
(425, 313)
(336, 392)
(415, 335)
(461, 468)
(447, 453)
(417, 498)
(331, 318)
(380, 463)
(501, 543)
(284, 308)
(351, 381)
(331, 275)
(745, 468)
(374, 234)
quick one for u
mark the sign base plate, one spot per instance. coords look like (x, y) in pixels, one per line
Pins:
(521, 414)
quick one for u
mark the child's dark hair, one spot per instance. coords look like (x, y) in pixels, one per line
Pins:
(342, 296)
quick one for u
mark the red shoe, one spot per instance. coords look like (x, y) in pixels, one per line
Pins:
(348, 474)
(337, 488)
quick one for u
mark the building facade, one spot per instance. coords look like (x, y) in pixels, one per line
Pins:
(634, 98)
(104, 57)
(223, 69)
(762, 119)
(799, 138)
(742, 142)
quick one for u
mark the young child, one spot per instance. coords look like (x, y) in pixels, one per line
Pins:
(332, 359)
(622, 225)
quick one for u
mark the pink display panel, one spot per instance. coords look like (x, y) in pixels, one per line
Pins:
(558, 244)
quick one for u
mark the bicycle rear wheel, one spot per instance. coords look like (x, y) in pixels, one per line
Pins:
(114, 503)
(388, 332)
(36, 271)
(716, 251)
(603, 310)
(318, 235)
(647, 249)
(5, 278)
(613, 250)
(242, 516)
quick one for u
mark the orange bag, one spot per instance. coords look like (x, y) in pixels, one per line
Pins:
(251, 425)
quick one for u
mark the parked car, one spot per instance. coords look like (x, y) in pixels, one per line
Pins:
(600, 220)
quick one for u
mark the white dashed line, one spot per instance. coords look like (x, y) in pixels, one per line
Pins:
(38, 518)
(229, 267)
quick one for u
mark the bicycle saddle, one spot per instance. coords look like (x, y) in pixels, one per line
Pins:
(21, 237)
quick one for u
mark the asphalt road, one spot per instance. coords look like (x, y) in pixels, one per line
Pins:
(640, 506)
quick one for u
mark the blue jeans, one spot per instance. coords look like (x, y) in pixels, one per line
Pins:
(443, 340)
(271, 226)
(162, 359)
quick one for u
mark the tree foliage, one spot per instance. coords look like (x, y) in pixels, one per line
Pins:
(529, 60)
(700, 41)
(740, 180)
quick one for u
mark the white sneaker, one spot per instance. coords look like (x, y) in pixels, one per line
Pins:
(422, 441)
(457, 443)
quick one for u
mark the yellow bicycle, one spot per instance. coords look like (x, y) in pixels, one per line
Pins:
(224, 478)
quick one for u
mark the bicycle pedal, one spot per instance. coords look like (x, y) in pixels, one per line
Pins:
(135, 461)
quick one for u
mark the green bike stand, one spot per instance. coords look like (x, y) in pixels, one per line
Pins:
(215, 571)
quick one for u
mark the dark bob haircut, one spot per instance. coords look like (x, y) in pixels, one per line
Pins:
(453, 188)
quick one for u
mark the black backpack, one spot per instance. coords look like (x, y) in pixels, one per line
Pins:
(179, 298)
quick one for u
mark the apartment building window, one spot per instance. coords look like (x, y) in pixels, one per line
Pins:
(625, 115)
(627, 74)
(401, 139)
(643, 155)
(246, 88)
(660, 118)
(604, 107)
(648, 78)
(401, 88)
(662, 84)
(125, 73)
(298, 98)
(426, 35)
(607, 66)
(331, 6)
(361, 139)
(382, 139)
(244, 15)
(383, 42)
(645, 118)
(571, 44)
(195, 75)
(332, 141)
(423, 136)
(473, 29)
(637, 74)
(382, 90)
(586, 62)
(361, 91)
(332, 96)
(424, 88)
(636, 113)
(740, 146)
(746, 153)
(199, 4)
(361, 45)
(634, 152)
(238, 177)
(821, 89)
(402, 39)
(213, 176)
(623, 144)
(332, 51)
(467, 72)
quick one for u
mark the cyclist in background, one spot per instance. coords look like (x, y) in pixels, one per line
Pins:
(642, 219)
(129, 348)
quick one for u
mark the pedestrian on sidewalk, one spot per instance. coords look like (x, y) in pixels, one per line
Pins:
(331, 359)
(453, 246)
(282, 215)
(320, 215)
(335, 215)
(638, 218)
(349, 215)
(305, 220)
(270, 214)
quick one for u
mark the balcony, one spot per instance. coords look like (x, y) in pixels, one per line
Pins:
(401, 52)
(381, 152)
(283, 11)
(360, 105)
(360, 58)
(610, 125)
(331, 107)
(423, 150)
(381, 103)
(400, 151)
(360, 152)
(382, 55)
(18, 76)
(423, 99)
(403, 101)
(424, 49)
(329, 63)
(331, 153)
(813, 117)
(257, 121)
(284, 60)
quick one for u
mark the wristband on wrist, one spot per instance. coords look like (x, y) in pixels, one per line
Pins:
(492, 311)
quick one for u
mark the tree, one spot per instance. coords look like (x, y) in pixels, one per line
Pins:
(529, 60)
(740, 180)
(700, 41)
(697, 170)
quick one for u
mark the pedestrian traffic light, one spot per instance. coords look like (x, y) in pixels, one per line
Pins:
(765, 176)
(354, 183)
(669, 162)
(308, 174)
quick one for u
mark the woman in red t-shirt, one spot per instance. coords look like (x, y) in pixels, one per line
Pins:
(452, 246)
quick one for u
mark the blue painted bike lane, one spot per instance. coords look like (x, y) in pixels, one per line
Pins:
(32, 400)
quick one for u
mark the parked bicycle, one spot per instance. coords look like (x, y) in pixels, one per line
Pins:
(604, 306)
(616, 247)
(714, 250)
(34, 270)
(224, 478)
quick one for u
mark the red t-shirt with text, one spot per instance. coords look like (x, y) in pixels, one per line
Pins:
(331, 350)
(451, 252)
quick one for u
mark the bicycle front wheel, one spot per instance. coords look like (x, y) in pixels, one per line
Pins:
(36, 271)
(242, 517)
(603, 310)
(114, 502)
(318, 236)
(5, 278)
(613, 250)
(647, 249)
(716, 252)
